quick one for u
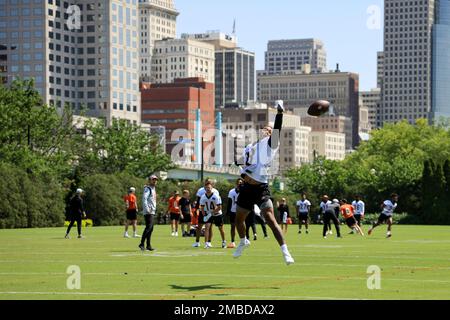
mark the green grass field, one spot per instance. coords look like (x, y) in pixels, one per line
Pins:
(415, 264)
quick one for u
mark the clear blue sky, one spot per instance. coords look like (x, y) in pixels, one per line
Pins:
(340, 24)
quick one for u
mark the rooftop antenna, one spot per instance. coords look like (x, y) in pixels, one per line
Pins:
(234, 27)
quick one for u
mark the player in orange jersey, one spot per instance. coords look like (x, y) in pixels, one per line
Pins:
(348, 212)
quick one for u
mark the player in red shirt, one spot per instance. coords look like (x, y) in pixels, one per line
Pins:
(131, 207)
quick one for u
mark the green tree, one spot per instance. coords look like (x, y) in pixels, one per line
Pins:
(428, 196)
(438, 186)
(447, 175)
(33, 135)
(121, 147)
(391, 161)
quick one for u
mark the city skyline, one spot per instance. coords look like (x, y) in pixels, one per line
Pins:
(352, 34)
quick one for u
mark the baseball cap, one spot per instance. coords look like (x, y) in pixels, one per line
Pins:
(79, 191)
(132, 189)
(335, 201)
(153, 177)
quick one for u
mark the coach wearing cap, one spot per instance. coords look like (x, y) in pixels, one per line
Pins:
(76, 212)
(149, 211)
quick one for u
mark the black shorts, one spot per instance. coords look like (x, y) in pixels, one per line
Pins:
(217, 220)
(174, 216)
(232, 217)
(303, 216)
(132, 214)
(351, 221)
(186, 218)
(383, 218)
(249, 195)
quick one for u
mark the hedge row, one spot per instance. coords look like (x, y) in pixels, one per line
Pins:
(28, 200)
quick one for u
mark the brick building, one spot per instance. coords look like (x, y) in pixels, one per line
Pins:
(174, 106)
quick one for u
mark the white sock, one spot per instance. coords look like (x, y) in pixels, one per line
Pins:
(284, 248)
(243, 240)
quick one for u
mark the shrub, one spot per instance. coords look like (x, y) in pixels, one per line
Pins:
(29, 200)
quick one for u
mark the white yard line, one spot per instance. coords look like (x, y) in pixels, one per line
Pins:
(183, 275)
(231, 262)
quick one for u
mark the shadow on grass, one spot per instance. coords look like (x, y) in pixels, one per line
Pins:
(217, 287)
(198, 288)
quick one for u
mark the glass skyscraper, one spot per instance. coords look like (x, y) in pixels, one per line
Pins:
(81, 53)
(235, 77)
(441, 61)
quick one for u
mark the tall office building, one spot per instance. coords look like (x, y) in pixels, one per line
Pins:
(441, 61)
(158, 20)
(235, 77)
(380, 69)
(291, 55)
(182, 58)
(82, 53)
(234, 69)
(408, 47)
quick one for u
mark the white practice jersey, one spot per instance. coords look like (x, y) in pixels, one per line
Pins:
(389, 208)
(258, 158)
(360, 207)
(202, 191)
(211, 203)
(233, 195)
(303, 206)
(324, 206)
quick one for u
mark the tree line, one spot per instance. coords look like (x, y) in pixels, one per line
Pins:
(411, 160)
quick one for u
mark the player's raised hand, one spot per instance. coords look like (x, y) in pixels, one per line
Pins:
(279, 104)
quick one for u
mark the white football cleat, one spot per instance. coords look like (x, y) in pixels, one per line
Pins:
(196, 245)
(241, 248)
(288, 258)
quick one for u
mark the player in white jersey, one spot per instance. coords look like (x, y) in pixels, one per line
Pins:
(199, 214)
(323, 208)
(360, 210)
(386, 216)
(231, 210)
(211, 206)
(303, 209)
(255, 163)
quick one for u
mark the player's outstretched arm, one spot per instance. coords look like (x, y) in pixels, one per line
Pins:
(274, 140)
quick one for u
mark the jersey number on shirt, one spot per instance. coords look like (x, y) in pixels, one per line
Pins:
(209, 207)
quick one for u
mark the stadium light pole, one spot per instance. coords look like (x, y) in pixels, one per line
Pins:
(202, 164)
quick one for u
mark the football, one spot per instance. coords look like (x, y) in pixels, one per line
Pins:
(319, 108)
